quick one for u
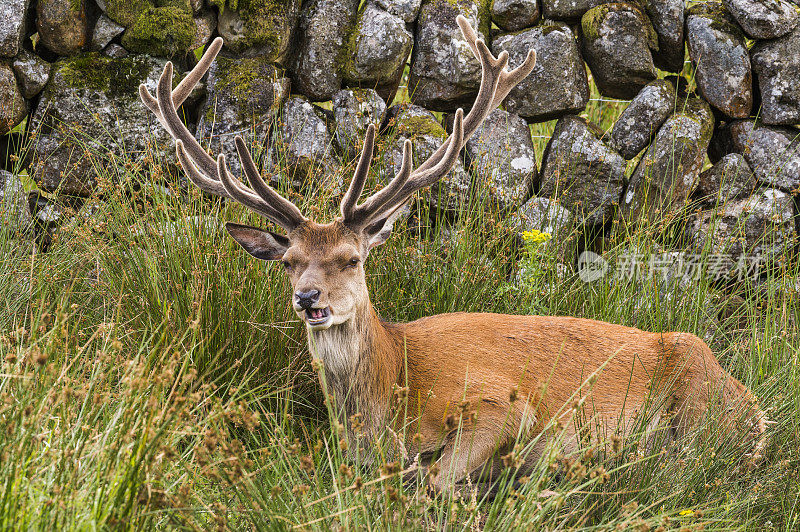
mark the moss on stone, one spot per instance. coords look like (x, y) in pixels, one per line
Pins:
(239, 81)
(240, 78)
(349, 50)
(412, 126)
(264, 21)
(222, 5)
(444, 12)
(707, 8)
(550, 26)
(160, 27)
(115, 77)
(591, 20)
(719, 20)
(700, 110)
(165, 31)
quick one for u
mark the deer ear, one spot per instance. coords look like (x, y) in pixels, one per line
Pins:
(261, 244)
(378, 231)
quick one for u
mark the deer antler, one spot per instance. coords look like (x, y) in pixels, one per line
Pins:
(496, 82)
(210, 175)
(215, 178)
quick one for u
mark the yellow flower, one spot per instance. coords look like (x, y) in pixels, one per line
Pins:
(684, 513)
(535, 237)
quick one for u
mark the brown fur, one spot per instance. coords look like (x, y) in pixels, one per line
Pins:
(470, 363)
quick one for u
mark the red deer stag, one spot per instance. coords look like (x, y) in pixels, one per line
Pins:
(450, 360)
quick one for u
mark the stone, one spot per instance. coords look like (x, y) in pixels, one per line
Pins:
(33, 72)
(154, 27)
(304, 143)
(245, 96)
(750, 232)
(377, 51)
(205, 24)
(407, 10)
(667, 17)
(354, 110)
(544, 215)
(579, 170)
(12, 105)
(15, 219)
(773, 152)
(639, 122)
(12, 152)
(719, 53)
(12, 26)
(558, 84)
(253, 28)
(90, 116)
(115, 51)
(46, 212)
(569, 10)
(515, 15)
(616, 41)
(445, 75)
(670, 168)
(324, 26)
(777, 66)
(503, 160)
(419, 125)
(763, 19)
(105, 30)
(731, 178)
(62, 24)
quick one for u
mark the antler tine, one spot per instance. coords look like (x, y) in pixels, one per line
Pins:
(282, 206)
(176, 128)
(195, 176)
(360, 176)
(510, 79)
(376, 202)
(496, 82)
(188, 83)
(218, 188)
(237, 191)
(185, 87)
(196, 153)
(427, 176)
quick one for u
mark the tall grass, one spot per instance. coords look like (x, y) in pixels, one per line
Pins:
(154, 376)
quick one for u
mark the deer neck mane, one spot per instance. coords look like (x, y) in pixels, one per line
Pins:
(362, 361)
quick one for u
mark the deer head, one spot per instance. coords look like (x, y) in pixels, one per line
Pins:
(325, 262)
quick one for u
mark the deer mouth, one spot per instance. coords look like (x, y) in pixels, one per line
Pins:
(316, 316)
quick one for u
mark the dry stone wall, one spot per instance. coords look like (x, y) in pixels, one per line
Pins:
(304, 78)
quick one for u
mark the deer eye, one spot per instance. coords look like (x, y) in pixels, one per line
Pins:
(352, 263)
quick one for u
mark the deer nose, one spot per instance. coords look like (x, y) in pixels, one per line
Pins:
(306, 300)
